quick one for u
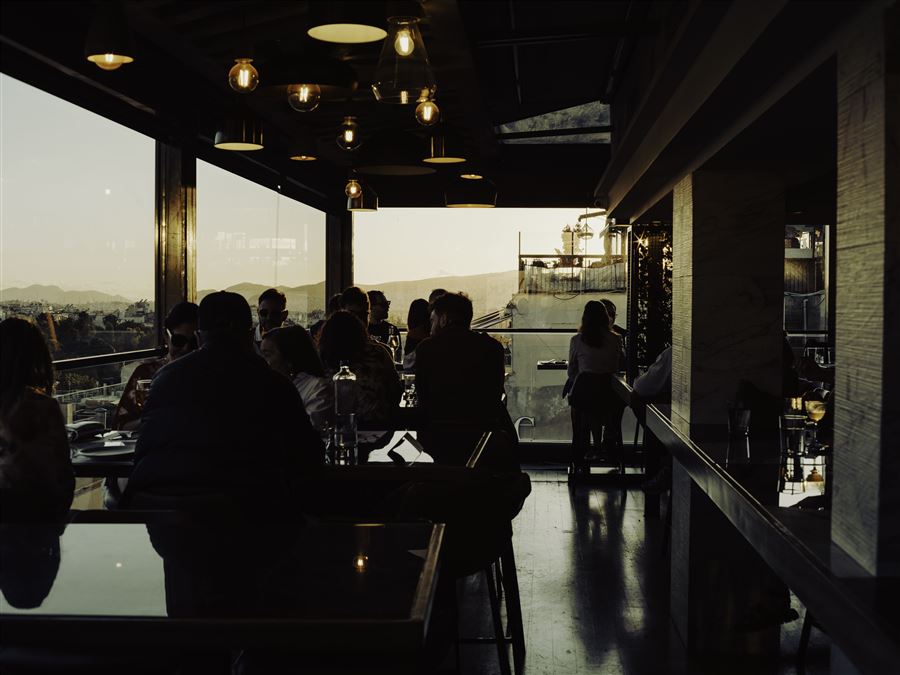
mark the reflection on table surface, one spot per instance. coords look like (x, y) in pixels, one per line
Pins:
(214, 570)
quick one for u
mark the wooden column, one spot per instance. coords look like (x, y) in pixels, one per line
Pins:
(338, 251)
(865, 518)
(176, 227)
(727, 287)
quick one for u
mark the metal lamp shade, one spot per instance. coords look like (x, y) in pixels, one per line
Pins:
(474, 194)
(367, 201)
(109, 42)
(239, 133)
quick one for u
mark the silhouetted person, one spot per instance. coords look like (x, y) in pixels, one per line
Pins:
(611, 310)
(355, 301)
(460, 376)
(344, 340)
(379, 327)
(334, 304)
(181, 338)
(36, 478)
(595, 354)
(289, 350)
(418, 326)
(220, 422)
(271, 311)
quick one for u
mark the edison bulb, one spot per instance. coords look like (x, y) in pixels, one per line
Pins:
(304, 97)
(348, 138)
(427, 113)
(243, 77)
(353, 189)
(403, 43)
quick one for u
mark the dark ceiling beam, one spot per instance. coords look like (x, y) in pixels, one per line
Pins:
(458, 90)
(753, 86)
(570, 34)
(540, 133)
(707, 48)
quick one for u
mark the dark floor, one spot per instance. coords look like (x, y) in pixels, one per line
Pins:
(594, 583)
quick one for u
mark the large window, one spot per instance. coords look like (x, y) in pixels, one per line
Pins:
(522, 268)
(250, 238)
(76, 228)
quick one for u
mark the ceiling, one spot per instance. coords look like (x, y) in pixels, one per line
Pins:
(500, 68)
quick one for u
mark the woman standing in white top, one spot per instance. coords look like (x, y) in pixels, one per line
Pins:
(596, 348)
(290, 351)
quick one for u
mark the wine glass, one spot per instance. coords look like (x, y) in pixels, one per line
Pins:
(815, 411)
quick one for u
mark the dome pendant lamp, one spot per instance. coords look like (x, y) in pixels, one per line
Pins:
(403, 74)
(346, 22)
(472, 193)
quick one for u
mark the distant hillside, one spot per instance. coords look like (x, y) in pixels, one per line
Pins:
(56, 296)
(488, 292)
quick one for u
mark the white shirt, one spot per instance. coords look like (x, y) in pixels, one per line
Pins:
(317, 394)
(651, 383)
(603, 360)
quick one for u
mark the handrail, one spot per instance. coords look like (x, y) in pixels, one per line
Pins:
(105, 359)
(854, 627)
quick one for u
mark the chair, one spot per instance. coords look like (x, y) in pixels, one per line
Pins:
(597, 412)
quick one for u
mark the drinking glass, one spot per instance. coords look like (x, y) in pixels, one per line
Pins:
(141, 389)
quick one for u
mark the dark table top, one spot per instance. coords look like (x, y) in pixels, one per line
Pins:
(171, 582)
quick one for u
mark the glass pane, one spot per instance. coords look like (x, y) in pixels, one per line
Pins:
(77, 235)
(92, 393)
(250, 238)
(534, 396)
(522, 268)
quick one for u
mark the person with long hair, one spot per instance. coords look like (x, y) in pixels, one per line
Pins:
(290, 351)
(36, 477)
(595, 354)
(596, 348)
(418, 327)
(344, 340)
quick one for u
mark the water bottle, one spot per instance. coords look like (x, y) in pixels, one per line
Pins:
(345, 441)
(394, 345)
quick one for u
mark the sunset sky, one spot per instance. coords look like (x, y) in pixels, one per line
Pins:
(76, 211)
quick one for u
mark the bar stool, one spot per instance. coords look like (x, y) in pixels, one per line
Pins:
(503, 590)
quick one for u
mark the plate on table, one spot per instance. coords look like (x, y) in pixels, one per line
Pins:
(106, 449)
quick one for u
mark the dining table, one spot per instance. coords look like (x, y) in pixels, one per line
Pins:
(321, 591)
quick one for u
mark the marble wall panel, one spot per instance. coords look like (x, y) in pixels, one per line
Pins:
(866, 507)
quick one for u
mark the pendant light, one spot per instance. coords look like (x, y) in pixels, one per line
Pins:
(478, 193)
(243, 76)
(403, 74)
(367, 200)
(444, 148)
(346, 22)
(427, 112)
(348, 136)
(109, 44)
(353, 189)
(239, 132)
(303, 147)
(304, 97)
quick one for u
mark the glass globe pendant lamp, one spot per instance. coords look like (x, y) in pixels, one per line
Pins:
(304, 97)
(427, 112)
(348, 136)
(243, 76)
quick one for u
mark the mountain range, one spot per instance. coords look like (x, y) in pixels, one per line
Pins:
(488, 292)
(54, 295)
